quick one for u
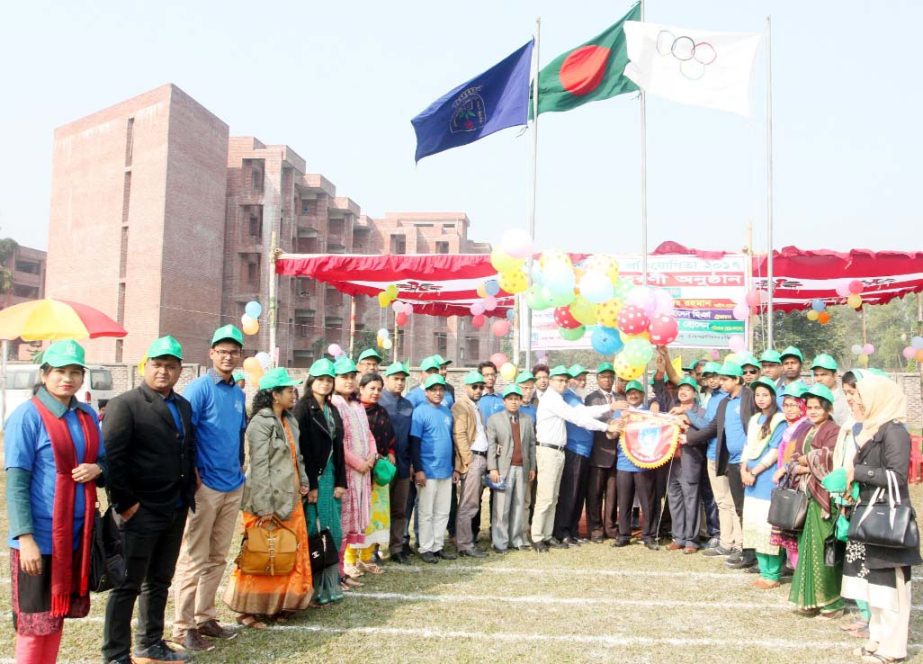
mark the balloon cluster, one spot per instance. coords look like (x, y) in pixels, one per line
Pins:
(384, 338)
(915, 350)
(257, 365)
(818, 312)
(402, 311)
(505, 368)
(746, 305)
(334, 351)
(249, 322)
(387, 296)
(852, 291)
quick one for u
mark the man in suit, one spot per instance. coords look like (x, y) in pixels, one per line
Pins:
(602, 464)
(510, 459)
(470, 462)
(152, 481)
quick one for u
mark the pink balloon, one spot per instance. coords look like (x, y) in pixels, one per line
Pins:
(664, 301)
(909, 352)
(500, 327)
(334, 350)
(714, 353)
(478, 321)
(490, 303)
(476, 308)
(499, 359)
(868, 349)
(737, 343)
(855, 287)
(408, 308)
(742, 311)
(397, 307)
(753, 299)
(843, 290)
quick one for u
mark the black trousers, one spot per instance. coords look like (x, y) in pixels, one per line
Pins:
(737, 488)
(661, 504)
(571, 495)
(644, 484)
(686, 531)
(150, 543)
(601, 505)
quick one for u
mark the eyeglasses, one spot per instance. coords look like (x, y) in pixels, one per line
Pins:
(751, 372)
(227, 353)
(476, 387)
(791, 405)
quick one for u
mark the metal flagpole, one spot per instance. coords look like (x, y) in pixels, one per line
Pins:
(526, 321)
(769, 307)
(643, 107)
(273, 285)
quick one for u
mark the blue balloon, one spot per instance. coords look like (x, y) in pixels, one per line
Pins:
(510, 314)
(253, 309)
(491, 287)
(818, 305)
(606, 340)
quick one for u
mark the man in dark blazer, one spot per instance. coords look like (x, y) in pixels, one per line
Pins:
(152, 483)
(600, 500)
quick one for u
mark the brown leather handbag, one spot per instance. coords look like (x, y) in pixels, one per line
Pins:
(268, 549)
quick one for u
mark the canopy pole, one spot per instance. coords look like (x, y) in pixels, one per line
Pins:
(525, 325)
(273, 286)
(643, 132)
(352, 325)
(769, 258)
(748, 330)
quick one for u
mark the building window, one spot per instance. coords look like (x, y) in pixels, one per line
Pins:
(129, 141)
(398, 244)
(308, 206)
(256, 223)
(442, 247)
(250, 272)
(442, 343)
(28, 267)
(256, 179)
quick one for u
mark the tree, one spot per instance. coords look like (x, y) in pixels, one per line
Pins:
(8, 247)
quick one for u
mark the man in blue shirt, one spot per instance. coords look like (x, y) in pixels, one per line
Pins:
(433, 462)
(491, 402)
(429, 366)
(400, 410)
(219, 419)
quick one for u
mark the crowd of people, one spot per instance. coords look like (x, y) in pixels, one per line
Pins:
(353, 467)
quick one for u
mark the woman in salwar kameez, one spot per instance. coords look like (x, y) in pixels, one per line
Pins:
(798, 424)
(378, 534)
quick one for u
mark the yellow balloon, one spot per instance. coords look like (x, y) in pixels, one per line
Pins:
(503, 262)
(584, 311)
(554, 256)
(481, 290)
(625, 370)
(607, 313)
(392, 292)
(508, 371)
(514, 282)
(854, 300)
(251, 327)
(813, 315)
(383, 299)
(605, 264)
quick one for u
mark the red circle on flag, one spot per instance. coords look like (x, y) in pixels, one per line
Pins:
(583, 69)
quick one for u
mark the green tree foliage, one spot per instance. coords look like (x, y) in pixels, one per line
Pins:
(8, 247)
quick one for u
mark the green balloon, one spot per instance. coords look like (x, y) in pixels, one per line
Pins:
(535, 298)
(583, 310)
(574, 334)
(560, 299)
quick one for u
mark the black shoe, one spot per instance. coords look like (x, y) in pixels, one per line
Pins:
(555, 543)
(652, 545)
(735, 557)
(124, 659)
(753, 569)
(160, 652)
(742, 562)
(441, 553)
(400, 558)
(716, 551)
(500, 551)
(429, 557)
(570, 541)
(598, 539)
(620, 542)
(473, 552)
(540, 547)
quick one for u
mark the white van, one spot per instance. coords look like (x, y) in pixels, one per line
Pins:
(21, 378)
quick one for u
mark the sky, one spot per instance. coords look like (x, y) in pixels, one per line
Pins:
(340, 81)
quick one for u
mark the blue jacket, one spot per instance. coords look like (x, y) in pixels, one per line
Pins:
(579, 440)
(400, 410)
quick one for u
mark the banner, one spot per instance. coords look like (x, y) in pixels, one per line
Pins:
(649, 440)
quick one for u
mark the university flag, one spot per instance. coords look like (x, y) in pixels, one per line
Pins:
(489, 102)
(649, 439)
(590, 72)
(695, 67)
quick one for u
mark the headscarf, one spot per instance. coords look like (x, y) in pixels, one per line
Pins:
(883, 401)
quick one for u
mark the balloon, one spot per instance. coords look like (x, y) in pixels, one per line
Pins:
(607, 265)
(737, 343)
(499, 359)
(741, 311)
(478, 321)
(251, 327)
(714, 354)
(917, 343)
(401, 319)
(663, 301)
(909, 352)
(535, 298)
(510, 314)
(491, 287)
(387, 344)
(843, 289)
(559, 299)
(476, 308)
(855, 286)
(862, 360)
(246, 319)
(638, 351)
(517, 243)
(664, 330)
(408, 308)
(625, 369)
(253, 309)
(554, 256)
(490, 303)
(812, 314)
(583, 311)
(265, 359)
(628, 337)
(577, 333)
(919, 356)
(508, 371)
(607, 313)
(622, 289)
(503, 262)
(559, 278)
(564, 318)
(823, 317)
(334, 350)
(252, 366)
(514, 282)
(397, 307)
(854, 300)
(596, 287)
(644, 298)
(383, 300)
(500, 327)
(868, 349)
(818, 305)
(481, 290)
(384, 333)
(606, 340)
(633, 319)
(753, 299)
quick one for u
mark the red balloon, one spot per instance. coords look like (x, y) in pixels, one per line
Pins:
(753, 298)
(664, 330)
(500, 327)
(400, 319)
(564, 318)
(477, 322)
(633, 320)
(855, 286)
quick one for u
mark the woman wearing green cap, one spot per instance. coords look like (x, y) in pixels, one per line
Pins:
(276, 481)
(378, 533)
(53, 455)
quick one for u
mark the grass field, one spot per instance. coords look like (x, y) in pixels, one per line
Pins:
(593, 604)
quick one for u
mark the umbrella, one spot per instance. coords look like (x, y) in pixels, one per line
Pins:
(48, 320)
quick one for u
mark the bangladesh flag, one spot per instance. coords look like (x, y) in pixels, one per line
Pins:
(590, 72)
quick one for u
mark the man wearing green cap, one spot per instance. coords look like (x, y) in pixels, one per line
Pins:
(771, 364)
(792, 360)
(601, 481)
(751, 368)
(428, 367)
(150, 442)
(491, 402)
(444, 372)
(824, 368)
(470, 462)
(369, 361)
(219, 419)
(400, 410)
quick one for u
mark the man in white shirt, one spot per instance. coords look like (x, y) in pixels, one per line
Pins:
(551, 436)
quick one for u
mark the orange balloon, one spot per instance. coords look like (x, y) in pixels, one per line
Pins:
(919, 356)
(251, 326)
(823, 318)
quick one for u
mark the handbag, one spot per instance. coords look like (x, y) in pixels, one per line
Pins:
(107, 563)
(383, 472)
(888, 523)
(787, 507)
(322, 550)
(268, 549)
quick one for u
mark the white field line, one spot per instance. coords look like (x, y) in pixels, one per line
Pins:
(565, 571)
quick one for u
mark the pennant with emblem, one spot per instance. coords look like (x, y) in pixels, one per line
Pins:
(649, 439)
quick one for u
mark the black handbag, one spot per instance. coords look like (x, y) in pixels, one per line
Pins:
(107, 563)
(787, 507)
(888, 523)
(321, 549)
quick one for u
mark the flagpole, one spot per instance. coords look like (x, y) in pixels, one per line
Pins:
(769, 306)
(526, 321)
(643, 108)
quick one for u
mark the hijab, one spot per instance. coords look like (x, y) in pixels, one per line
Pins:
(883, 401)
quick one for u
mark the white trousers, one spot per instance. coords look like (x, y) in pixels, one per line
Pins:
(434, 503)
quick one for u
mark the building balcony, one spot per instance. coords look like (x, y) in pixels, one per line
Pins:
(307, 225)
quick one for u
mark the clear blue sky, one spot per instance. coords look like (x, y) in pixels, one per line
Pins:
(339, 82)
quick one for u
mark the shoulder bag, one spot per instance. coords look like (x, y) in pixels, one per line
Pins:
(788, 507)
(888, 523)
(107, 563)
(268, 549)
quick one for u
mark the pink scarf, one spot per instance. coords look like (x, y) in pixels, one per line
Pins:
(358, 444)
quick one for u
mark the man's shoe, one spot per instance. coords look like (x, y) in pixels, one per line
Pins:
(735, 557)
(652, 545)
(540, 547)
(400, 558)
(524, 547)
(159, 652)
(674, 546)
(429, 557)
(570, 541)
(689, 550)
(192, 641)
(716, 551)
(214, 630)
(500, 551)
(753, 568)
(621, 541)
(124, 659)
(445, 555)
(555, 543)
(712, 543)
(597, 539)
(473, 552)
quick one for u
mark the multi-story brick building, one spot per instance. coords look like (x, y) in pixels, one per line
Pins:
(27, 270)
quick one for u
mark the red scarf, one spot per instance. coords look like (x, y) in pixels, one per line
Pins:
(62, 518)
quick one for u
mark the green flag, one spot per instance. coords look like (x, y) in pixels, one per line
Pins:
(590, 72)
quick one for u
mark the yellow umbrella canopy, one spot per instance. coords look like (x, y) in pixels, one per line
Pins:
(48, 320)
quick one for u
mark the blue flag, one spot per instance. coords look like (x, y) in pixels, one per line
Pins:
(489, 102)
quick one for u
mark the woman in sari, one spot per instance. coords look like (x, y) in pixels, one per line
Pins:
(877, 575)
(360, 455)
(798, 424)
(764, 433)
(378, 533)
(321, 445)
(815, 585)
(275, 483)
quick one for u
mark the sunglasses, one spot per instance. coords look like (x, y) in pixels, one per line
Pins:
(476, 387)
(751, 372)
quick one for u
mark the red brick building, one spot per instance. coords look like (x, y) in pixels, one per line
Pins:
(27, 269)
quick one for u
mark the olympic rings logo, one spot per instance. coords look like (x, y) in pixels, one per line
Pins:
(693, 57)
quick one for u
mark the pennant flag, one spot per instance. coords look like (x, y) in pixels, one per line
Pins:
(489, 102)
(695, 67)
(590, 72)
(649, 440)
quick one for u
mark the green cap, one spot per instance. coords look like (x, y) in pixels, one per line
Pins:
(441, 360)
(165, 346)
(748, 359)
(771, 356)
(433, 380)
(63, 354)
(275, 378)
(228, 333)
(322, 367)
(878, 372)
(397, 368)
(818, 390)
(577, 370)
(370, 352)
(711, 367)
(344, 366)
(824, 361)
(793, 352)
(604, 367)
(524, 377)
(511, 389)
(690, 382)
(559, 370)
(730, 369)
(430, 363)
(765, 382)
(795, 390)
(474, 378)
(239, 374)
(634, 385)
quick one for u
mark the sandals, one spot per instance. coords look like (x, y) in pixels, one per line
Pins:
(873, 657)
(853, 626)
(371, 568)
(831, 615)
(352, 583)
(247, 620)
(353, 571)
